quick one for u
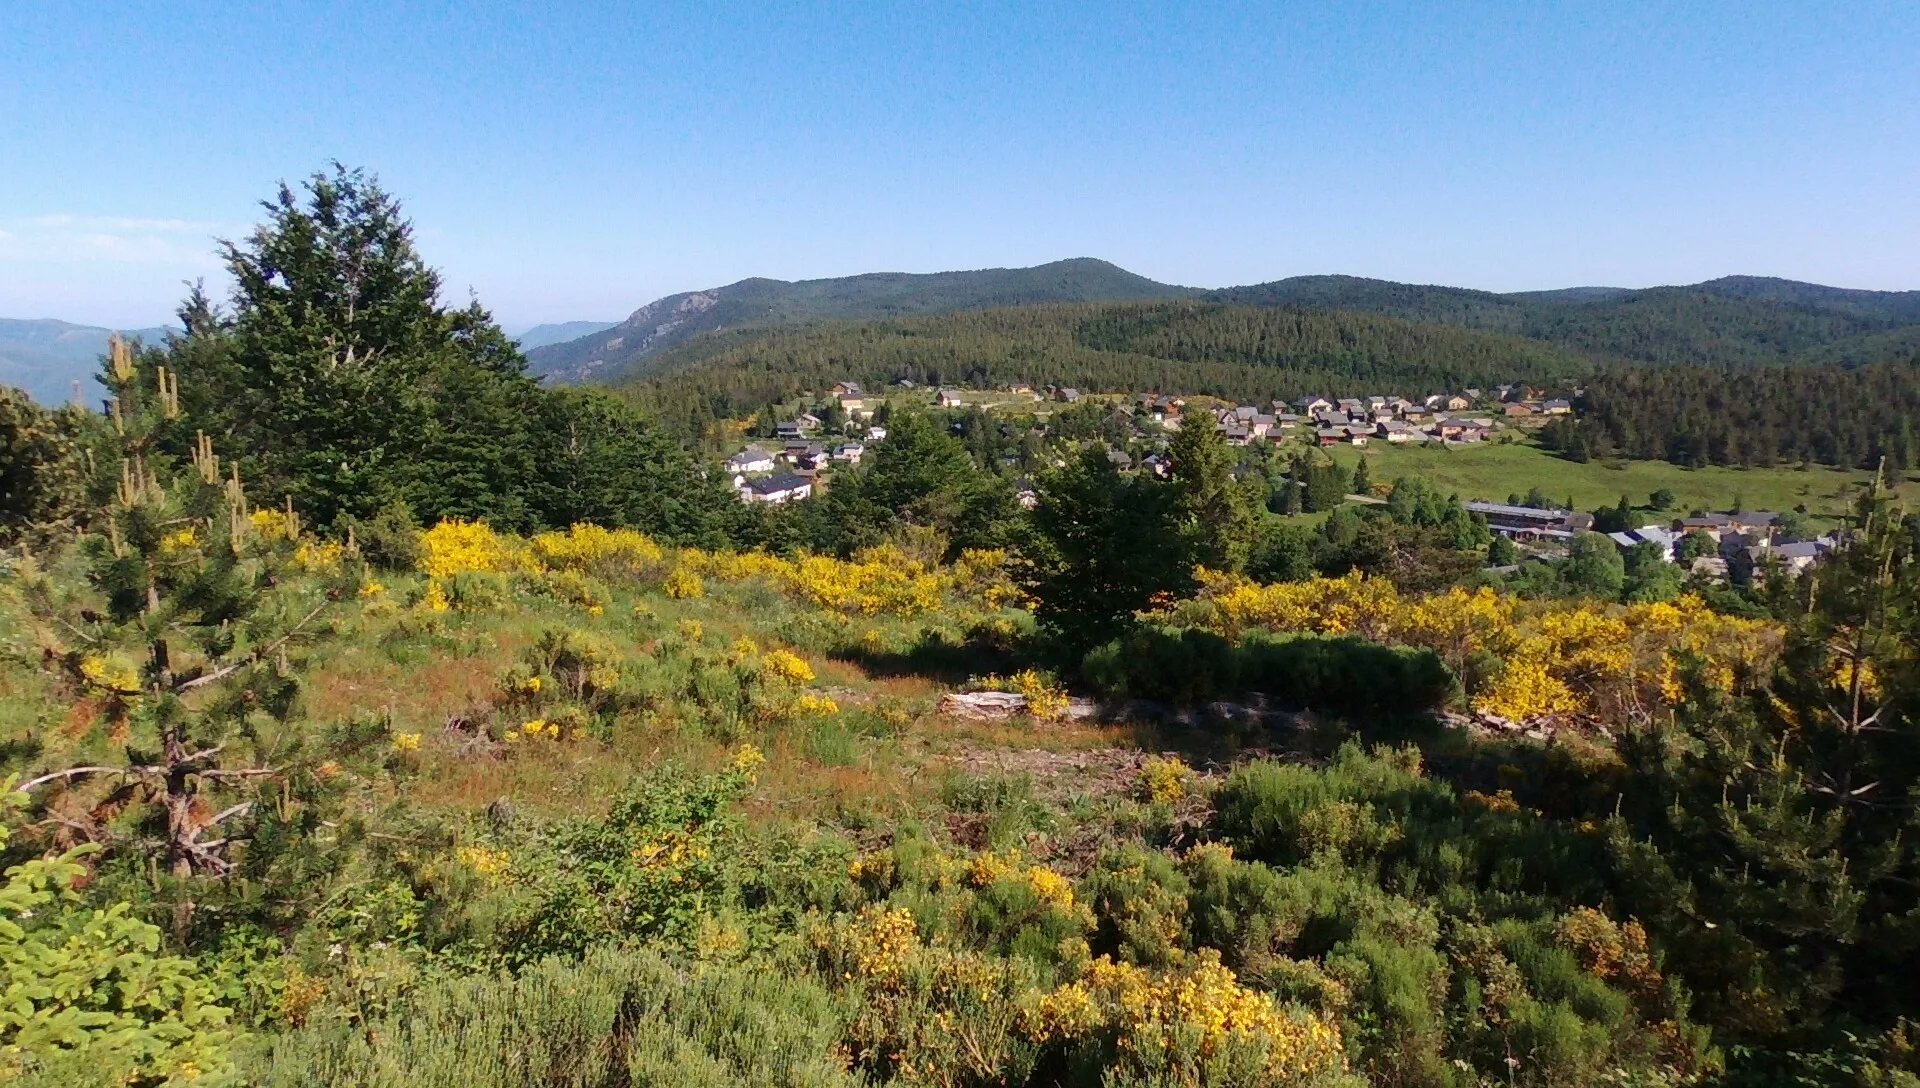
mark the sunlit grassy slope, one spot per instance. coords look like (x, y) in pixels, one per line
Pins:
(1497, 470)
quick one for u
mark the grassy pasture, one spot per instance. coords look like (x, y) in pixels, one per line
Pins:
(1496, 470)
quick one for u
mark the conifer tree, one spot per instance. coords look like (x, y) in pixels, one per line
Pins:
(42, 473)
(1774, 833)
(920, 476)
(187, 652)
(1217, 515)
(339, 378)
(1101, 546)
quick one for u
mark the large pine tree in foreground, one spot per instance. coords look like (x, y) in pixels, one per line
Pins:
(342, 381)
(341, 377)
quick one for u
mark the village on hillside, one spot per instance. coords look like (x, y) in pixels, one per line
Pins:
(836, 430)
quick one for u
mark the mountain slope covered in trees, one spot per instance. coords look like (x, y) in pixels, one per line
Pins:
(761, 303)
(1738, 321)
(1243, 352)
(1735, 320)
(1758, 411)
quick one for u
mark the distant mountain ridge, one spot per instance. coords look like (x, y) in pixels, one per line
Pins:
(45, 357)
(766, 303)
(539, 336)
(1733, 320)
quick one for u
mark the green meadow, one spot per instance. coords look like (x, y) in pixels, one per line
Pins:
(1495, 470)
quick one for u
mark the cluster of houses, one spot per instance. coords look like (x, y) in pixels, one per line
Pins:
(1748, 541)
(1359, 420)
(791, 470)
(1450, 418)
(1745, 541)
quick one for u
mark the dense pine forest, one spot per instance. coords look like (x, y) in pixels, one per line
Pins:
(1735, 321)
(1244, 353)
(628, 349)
(1771, 415)
(1746, 413)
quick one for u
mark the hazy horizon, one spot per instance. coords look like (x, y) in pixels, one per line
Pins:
(517, 328)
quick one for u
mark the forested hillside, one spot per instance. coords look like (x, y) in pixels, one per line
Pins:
(1186, 347)
(1696, 415)
(759, 304)
(1735, 321)
(1737, 372)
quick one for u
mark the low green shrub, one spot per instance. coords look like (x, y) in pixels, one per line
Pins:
(1342, 674)
(617, 1016)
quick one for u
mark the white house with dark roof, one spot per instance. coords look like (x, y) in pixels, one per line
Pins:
(777, 489)
(1658, 534)
(750, 460)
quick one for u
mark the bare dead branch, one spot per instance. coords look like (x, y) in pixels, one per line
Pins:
(253, 658)
(76, 772)
(236, 810)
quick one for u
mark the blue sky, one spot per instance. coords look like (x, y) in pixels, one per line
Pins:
(574, 161)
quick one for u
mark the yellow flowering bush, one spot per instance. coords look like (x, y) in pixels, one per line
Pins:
(1164, 781)
(406, 742)
(575, 664)
(486, 862)
(1847, 670)
(670, 849)
(271, 524)
(927, 1012)
(1503, 801)
(1157, 1018)
(1052, 890)
(1063, 1013)
(881, 941)
(879, 580)
(1555, 657)
(455, 547)
(813, 705)
(110, 672)
(882, 580)
(788, 666)
(988, 866)
(747, 761)
(179, 540)
(684, 583)
(318, 555)
(982, 573)
(1615, 951)
(1045, 699)
(536, 728)
(1050, 887)
(592, 549)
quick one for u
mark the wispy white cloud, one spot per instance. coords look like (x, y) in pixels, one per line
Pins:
(186, 245)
